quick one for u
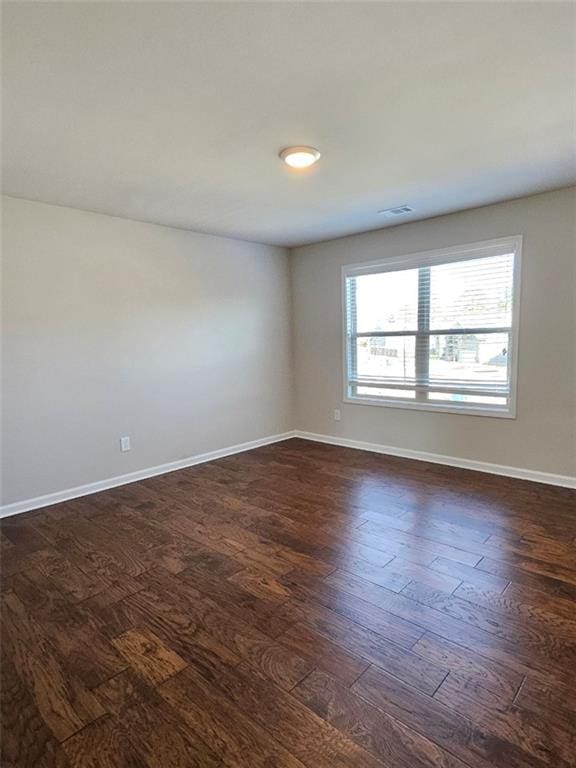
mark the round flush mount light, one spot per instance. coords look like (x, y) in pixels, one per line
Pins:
(299, 157)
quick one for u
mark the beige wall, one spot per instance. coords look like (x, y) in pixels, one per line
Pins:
(182, 341)
(543, 436)
(113, 327)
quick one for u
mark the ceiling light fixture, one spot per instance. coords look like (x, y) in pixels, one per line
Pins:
(400, 210)
(299, 157)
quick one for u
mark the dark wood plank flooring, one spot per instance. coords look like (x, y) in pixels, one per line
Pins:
(297, 605)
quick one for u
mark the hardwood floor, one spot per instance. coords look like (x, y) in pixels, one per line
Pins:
(297, 605)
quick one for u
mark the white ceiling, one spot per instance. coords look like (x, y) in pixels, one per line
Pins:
(174, 112)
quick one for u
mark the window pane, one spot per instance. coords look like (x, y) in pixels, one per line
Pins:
(476, 360)
(392, 357)
(403, 394)
(387, 302)
(468, 399)
(436, 335)
(474, 293)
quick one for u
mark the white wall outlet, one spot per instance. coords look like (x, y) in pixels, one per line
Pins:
(337, 414)
(125, 444)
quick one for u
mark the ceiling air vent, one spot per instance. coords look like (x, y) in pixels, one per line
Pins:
(400, 210)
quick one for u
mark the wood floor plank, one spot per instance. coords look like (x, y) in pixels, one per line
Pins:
(104, 548)
(21, 532)
(228, 732)
(424, 575)
(524, 604)
(297, 606)
(423, 674)
(457, 690)
(436, 529)
(562, 570)
(551, 636)
(236, 601)
(550, 584)
(539, 547)
(323, 653)
(539, 737)
(148, 655)
(555, 703)
(121, 691)
(162, 737)
(307, 736)
(365, 613)
(479, 578)
(379, 733)
(209, 638)
(71, 630)
(465, 624)
(65, 705)
(385, 575)
(103, 744)
(176, 626)
(27, 741)
(50, 565)
(493, 676)
(258, 582)
(445, 726)
(410, 542)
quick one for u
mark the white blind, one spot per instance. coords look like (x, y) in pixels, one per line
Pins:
(436, 331)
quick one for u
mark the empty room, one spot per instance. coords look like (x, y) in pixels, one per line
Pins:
(288, 384)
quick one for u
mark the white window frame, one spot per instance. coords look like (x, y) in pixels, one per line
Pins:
(496, 247)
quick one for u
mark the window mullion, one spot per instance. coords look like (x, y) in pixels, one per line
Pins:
(422, 337)
(352, 328)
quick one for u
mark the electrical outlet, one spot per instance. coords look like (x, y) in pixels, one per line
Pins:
(337, 414)
(125, 444)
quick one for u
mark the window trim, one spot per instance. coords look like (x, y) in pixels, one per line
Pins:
(434, 257)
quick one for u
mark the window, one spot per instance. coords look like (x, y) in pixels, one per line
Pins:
(435, 330)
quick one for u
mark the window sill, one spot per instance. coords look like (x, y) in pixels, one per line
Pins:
(465, 410)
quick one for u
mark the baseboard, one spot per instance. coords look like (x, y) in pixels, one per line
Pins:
(519, 473)
(102, 485)
(452, 461)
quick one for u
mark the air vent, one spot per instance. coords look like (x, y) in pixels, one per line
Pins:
(400, 210)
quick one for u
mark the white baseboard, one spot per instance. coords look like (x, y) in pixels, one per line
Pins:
(406, 453)
(452, 461)
(112, 482)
